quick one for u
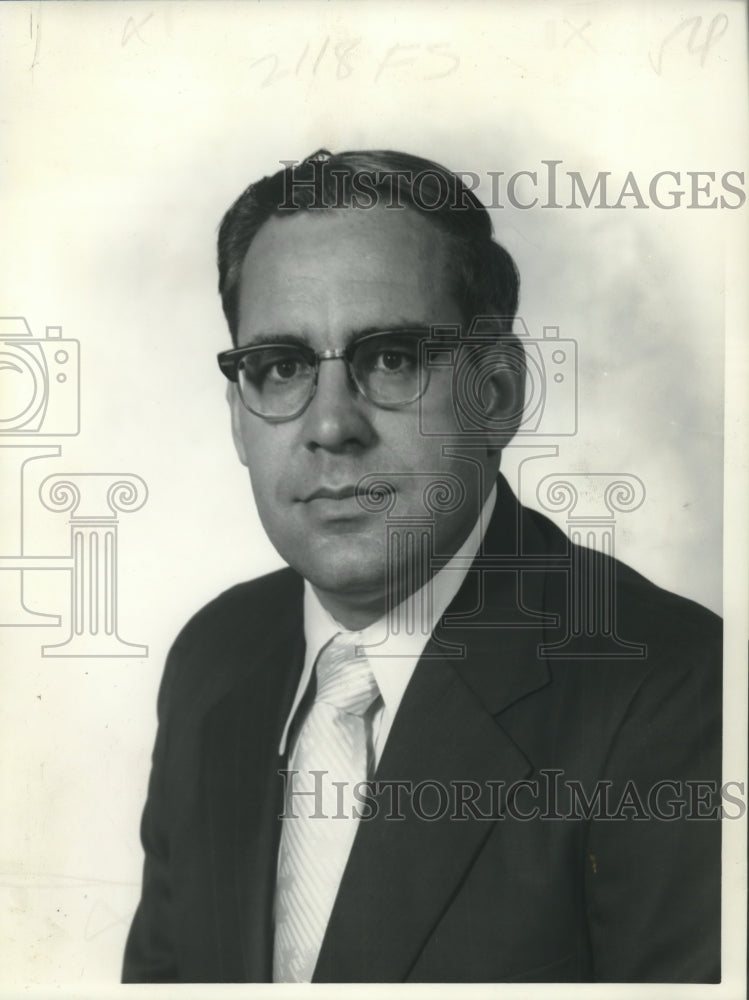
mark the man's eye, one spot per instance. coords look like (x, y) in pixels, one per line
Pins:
(392, 361)
(284, 370)
(276, 368)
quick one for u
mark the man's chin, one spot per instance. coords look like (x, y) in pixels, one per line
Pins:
(349, 569)
(349, 582)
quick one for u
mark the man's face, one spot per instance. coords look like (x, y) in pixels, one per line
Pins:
(324, 278)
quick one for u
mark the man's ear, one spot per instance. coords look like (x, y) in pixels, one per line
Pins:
(237, 410)
(499, 400)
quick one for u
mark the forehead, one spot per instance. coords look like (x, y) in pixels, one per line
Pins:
(328, 274)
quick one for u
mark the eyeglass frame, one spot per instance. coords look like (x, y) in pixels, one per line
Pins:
(230, 360)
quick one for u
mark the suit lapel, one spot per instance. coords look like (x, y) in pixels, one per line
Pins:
(244, 798)
(402, 874)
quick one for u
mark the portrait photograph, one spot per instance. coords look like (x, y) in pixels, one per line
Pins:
(373, 498)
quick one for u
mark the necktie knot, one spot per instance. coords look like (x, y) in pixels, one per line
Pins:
(344, 679)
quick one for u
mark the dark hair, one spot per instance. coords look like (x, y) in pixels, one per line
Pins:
(484, 278)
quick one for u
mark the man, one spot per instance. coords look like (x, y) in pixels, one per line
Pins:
(390, 762)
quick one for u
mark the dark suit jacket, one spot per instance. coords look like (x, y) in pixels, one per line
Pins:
(621, 894)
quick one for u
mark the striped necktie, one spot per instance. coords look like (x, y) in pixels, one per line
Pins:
(330, 758)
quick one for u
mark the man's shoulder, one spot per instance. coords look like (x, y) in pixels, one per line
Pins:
(223, 640)
(670, 608)
(621, 646)
(247, 604)
(634, 600)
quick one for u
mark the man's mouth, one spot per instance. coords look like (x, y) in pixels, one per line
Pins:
(375, 498)
(331, 493)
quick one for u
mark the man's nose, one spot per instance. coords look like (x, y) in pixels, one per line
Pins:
(337, 418)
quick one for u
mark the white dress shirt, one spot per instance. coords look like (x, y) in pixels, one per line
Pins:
(393, 657)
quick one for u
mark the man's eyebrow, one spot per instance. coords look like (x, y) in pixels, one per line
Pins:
(301, 339)
(388, 328)
(263, 339)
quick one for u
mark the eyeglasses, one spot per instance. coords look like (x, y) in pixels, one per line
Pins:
(278, 381)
